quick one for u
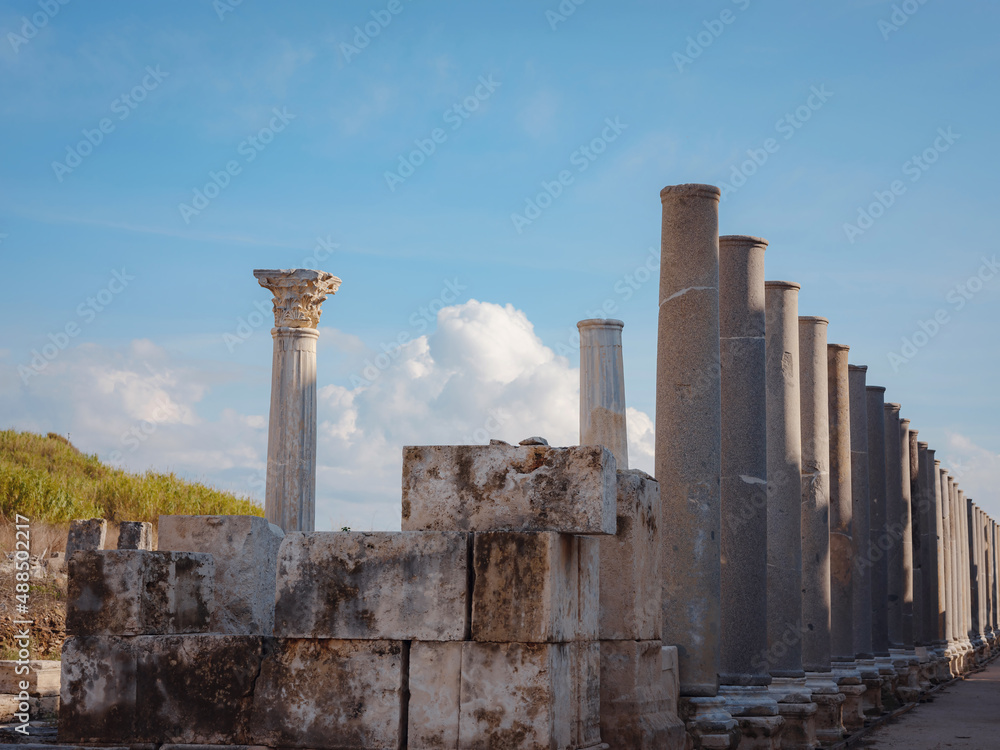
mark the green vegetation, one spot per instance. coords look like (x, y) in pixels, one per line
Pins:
(49, 480)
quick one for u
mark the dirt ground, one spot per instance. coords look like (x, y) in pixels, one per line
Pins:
(962, 716)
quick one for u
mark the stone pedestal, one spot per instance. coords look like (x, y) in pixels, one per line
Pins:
(796, 707)
(756, 711)
(602, 387)
(709, 725)
(688, 434)
(830, 702)
(290, 494)
(851, 686)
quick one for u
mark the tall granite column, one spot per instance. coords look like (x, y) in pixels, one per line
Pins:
(918, 502)
(950, 601)
(602, 387)
(974, 578)
(894, 538)
(964, 562)
(930, 631)
(784, 516)
(878, 482)
(939, 597)
(995, 575)
(904, 656)
(743, 671)
(688, 448)
(814, 411)
(290, 493)
(860, 542)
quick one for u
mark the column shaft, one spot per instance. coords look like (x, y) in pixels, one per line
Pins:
(602, 387)
(814, 410)
(841, 511)
(877, 484)
(784, 488)
(895, 534)
(860, 473)
(688, 431)
(744, 461)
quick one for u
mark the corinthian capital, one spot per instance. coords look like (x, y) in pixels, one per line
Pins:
(298, 294)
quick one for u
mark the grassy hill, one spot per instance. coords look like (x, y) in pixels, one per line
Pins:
(48, 480)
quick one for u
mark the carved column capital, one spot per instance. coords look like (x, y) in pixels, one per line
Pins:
(298, 294)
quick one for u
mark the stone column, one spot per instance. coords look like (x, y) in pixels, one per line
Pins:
(918, 502)
(950, 602)
(973, 552)
(905, 659)
(784, 516)
(841, 540)
(964, 568)
(995, 568)
(290, 494)
(938, 553)
(878, 483)
(860, 541)
(602, 387)
(688, 448)
(743, 674)
(895, 534)
(814, 410)
(928, 553)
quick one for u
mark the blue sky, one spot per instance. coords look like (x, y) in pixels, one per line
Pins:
(809, 112)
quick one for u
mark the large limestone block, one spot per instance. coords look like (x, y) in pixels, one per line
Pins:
(245, 549)
(509, 487)
(435, 695)
(517, 696)
(86, 534)
(135, 535)
(410, 585)
(530, 587)
(586, 666)
(186, 689)
(136, 592)
(635, 709)
(630, 563)
(41, 676)
(331, 695)
(98, 691)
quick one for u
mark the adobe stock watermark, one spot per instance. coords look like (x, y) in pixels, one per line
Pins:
(914, 168)
(123, 106)
(87, 312)
(455, 116)
(48, 9)
(263, 312)
(223, 8)
(624, 289)
(581, 158)
(249, 149)
(901, 13)
(419, 322)
(363, 35)
(714, 28)
(957, 298)
(562, 12)
(786, 126)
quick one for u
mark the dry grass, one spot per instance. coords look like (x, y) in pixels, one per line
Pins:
(48, 480)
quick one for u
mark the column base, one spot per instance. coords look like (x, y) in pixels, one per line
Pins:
(709, 725)
(799, 712)
(925, 667)
(890, 683)
(942, 671)
(907, 679)
(829, 701)
(756, 712)
(871, 700)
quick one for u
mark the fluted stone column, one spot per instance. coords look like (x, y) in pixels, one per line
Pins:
(743, 670)
(878, 482)
(784, 516)
(814, 410)
(290, 494)
(602, 387)
(841, 539)
(860, 542)
(688, 448)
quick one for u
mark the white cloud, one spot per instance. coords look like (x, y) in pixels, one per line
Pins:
(482, 374)
(976, 469)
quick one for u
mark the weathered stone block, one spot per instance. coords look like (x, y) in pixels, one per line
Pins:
(589, 587)
(86, 535)
(527, 588)
(518, 696)
(331, 695)
(196, 689)
(245, 549)
(98, 692)
(630, 606)
(410, 585)
(188, 689)
(435, 695)
(587, 691)
(507, 487)
(635, 712)
(136, 592)
(135, 535)
(42, 677)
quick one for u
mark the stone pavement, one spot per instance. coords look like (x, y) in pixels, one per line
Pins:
(963, 716)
